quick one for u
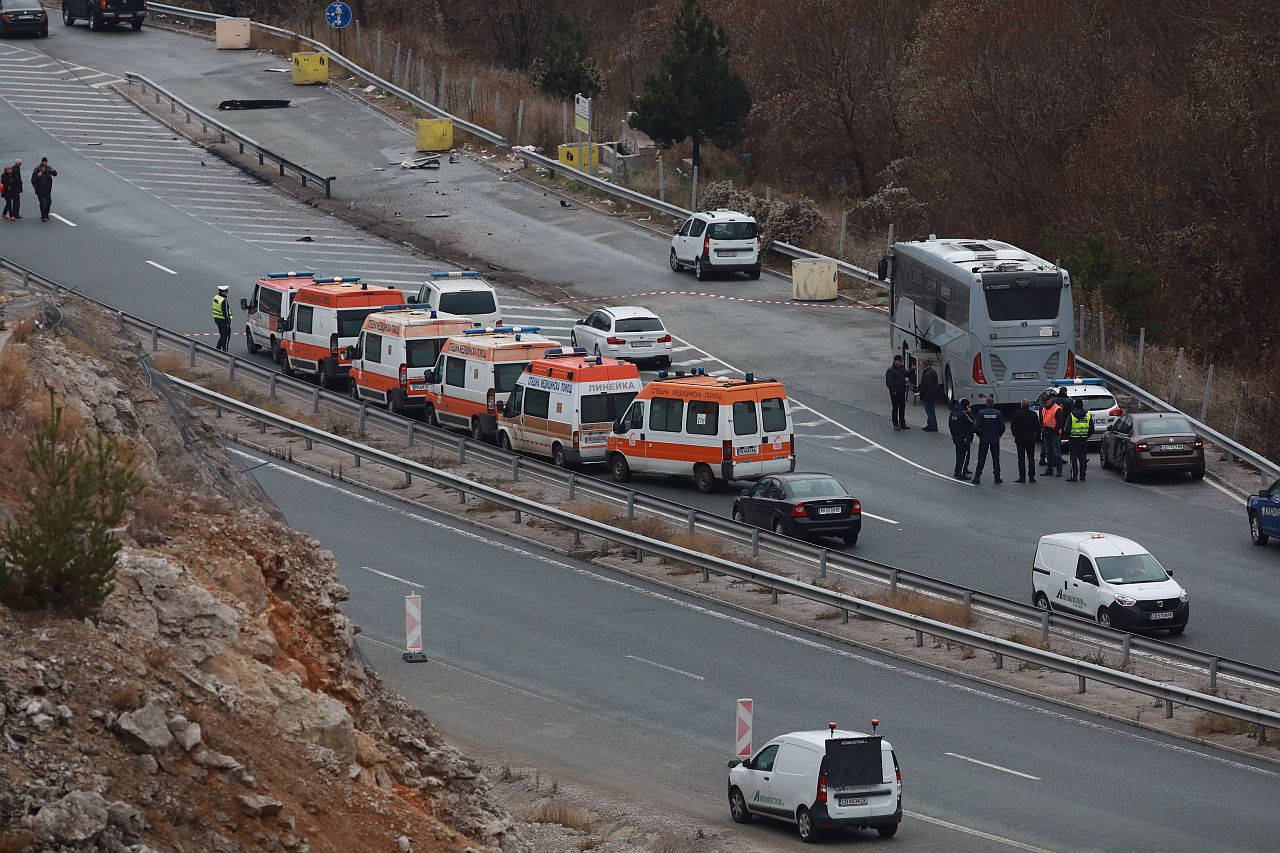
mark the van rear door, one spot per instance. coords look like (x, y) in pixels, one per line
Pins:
(855, 777)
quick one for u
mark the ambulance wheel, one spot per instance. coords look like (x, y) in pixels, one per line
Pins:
(738, 807)
(676, 266)
(476, 431)
(277, 354)
(353, 390)
(804, 825)
(699, 271)
(619, 468)
(504, 441)
(704, 478)
(557, 457)
(429, 415)
(249, 343)
(395, 402)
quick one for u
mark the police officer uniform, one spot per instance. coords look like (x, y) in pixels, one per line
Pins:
(222, 317)
(990, 426)
(1079, 429)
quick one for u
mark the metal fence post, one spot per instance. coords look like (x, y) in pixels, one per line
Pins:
(822, 564)
(191, 351)
(497, 104)
(1142, 345)
(1080, 324)
(315, 401)
(408, 67)
(515, 469)
(1102, 338)
(693, 199)
(471, 100)
(1204, 408)
(361, 418)
(271, 385)
(1177, 374)
(443, 68)
(662, 192)
(693, 520)
(519, 121)
(573, 484)
(231, 369)
(412, 426)
(377, 53)
(844, 224)
(462, 451)
(755, 542)
(155, 339)
(395, 69)
(631, 504)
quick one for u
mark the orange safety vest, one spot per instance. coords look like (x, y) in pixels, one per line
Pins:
(1049, 416)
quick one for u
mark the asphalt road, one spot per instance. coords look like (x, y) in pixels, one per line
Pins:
(632, 688)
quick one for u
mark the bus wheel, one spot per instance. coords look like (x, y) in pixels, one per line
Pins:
(950, 386)
(619, 468)
(704, 478)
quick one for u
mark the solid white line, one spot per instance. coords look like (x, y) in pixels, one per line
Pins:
(166, 269)
(392, 577)
(62, 220)
(992, 766)
(879, 518)
(1225, 491)
(667, 668)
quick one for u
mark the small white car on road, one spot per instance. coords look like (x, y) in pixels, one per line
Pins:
(624, 331)
(715, 241)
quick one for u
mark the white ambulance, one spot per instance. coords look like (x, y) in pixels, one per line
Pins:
(266, 310)
(474, 370)
(564, 405)
(394, 352)
(325, 319)
(712, 428)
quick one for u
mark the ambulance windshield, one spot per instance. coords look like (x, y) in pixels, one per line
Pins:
(350, 321)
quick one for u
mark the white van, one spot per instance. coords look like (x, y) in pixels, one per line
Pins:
(564, 405)
(1108, 578)
(395, 350)
(820, 780)
(266, 311)
(463, 294)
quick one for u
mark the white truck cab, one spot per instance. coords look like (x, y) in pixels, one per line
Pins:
(1108, 578)
(821, 780)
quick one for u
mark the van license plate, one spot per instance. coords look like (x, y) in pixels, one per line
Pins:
(417, 386)
(724, 253)
(747, 450)
(1161, 615)
(853, 801)
(642, 343)
(828, 510)
(1026, 374)
(1173, 447)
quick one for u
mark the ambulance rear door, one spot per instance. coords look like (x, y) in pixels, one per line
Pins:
(760, 431)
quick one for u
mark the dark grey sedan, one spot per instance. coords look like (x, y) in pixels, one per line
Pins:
(1144, 442)
(23, 16)
(801, 505)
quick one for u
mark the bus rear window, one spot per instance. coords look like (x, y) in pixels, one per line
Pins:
(1030, 303)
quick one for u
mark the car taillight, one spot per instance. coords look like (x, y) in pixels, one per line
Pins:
(822, 787)
(857, 507)
(726, 451)
(1199, 444)
(615, 341)
(102, 4)
(706, 246)
(665, 339)
(576, 437)
(798, 511)
(1071, 365)
(979, 377)
(1116, 412)
(333, 339)
(1141, 447)
(404, 376)
(491, 401)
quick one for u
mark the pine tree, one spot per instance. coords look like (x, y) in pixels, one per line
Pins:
(694, 93)
(563, 67)
(61, 553)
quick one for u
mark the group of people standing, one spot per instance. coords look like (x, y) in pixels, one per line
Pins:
(1058, 419)
(41, 183)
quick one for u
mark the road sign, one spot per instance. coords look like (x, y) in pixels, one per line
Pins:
(338, 15)
(582, 113)
(745, 709)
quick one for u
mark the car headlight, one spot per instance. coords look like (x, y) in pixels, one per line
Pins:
(1183, 597)
(1126, 601)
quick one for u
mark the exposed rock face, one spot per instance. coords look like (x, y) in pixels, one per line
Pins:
(79, 816)
(145, 730)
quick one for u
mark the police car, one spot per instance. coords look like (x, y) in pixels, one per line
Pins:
(1097, 400)
(1264, 514)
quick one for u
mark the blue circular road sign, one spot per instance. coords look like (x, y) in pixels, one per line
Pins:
(338, 15)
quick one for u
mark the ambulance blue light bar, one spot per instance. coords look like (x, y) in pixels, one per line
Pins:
(338, 279)
(291, 275)
(565, 352)
(506, 330)
(456, 274)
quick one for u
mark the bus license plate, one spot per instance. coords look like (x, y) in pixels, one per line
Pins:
(1173, 447)
(1026, 374)
(723, 253)
(1161, 615)
(828, 510)
(853, 801)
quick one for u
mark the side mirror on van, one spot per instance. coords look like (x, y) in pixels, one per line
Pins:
(1265, 494)
(244, 304)
(411, 298)
(432, 376)
(882, 269)
(351, 353)
(618, 427)
(735, 762)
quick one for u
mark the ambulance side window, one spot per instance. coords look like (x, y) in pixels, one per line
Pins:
(744, 418)
(702, 417)
(1084, 571)
(455, 372)
(371, 346)
(773, 414)
(267, 301)
(634, 419)
(537, 402)
(513, 402)
(304, 319)
(665, 414)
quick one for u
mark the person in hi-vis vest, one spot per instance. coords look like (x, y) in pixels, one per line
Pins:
(222, 317)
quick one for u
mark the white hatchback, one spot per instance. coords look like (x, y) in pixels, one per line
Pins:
(717, 241)
(625, 331)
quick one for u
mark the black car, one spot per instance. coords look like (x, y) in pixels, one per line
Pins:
(1144, 442)
(104, 13)
(23, 16)
(801, 505)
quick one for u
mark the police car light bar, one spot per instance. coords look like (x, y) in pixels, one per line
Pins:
(291, 275)
(1080, 382)
(456, 274)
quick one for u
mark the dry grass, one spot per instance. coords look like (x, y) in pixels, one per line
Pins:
(601, 513)
(126, 697)
(1035, 641)
(711, 546)
(649, 526)
(485, 505)
(152, 514)
(1210, 723)
(951, 612)
(559, 812)
(40, 412)
(14, 386)
(22, 330)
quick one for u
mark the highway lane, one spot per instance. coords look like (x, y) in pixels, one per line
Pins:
(630, 687)
(982, 537)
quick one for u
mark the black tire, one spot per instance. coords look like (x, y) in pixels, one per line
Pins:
(429, 415)
(67, 18)
(738, 807)
(754, 275)
(394, 402)
(887, 830)
(704, 478)
(1197, 473)
(44, 34)
(619, 468)
(136, 24)
(1255, 530)
(277, 354)
(676, 266)
(1104, 617)
(249, 343)
(949, 384)
(573, 339)
(597, 352)
(850, 538)
(285, 367)
(477, 432)
(1126, 468)
(1041, 601)
(1176, 630)
(95, 22)
(557, 457)
(737, 516)
(353, 389)
(804, 825)
(699, 272)
(1103, 461)
(779, 527)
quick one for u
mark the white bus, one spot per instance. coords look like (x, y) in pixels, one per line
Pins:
(996, 321)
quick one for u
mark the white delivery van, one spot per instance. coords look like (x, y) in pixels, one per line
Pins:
(1108, 578)
(564, 405)
(463, 294)
(820, 780)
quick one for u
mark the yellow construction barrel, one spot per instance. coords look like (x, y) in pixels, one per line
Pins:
(433, 134)
(310, 68)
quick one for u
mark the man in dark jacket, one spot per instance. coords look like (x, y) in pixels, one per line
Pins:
(1079, 429)
(961, 425)
(895, 379)
(931, 393)
(1025, 426)
(15, 190)
(990, 426)
(42, 182)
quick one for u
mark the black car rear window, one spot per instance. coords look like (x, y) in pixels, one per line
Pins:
(639, 324)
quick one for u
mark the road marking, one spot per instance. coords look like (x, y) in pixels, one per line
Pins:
(878, 518)
(392, 577)
(1031, 848)
(60, 219)
(667, 668)
(992, 766)
(165, 269)
(1225, 491)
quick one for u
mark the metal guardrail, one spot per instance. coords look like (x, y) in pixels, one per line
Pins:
(207, 121)
(821, 559)
(777, 584)
(1263, 464)
(338, 59)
